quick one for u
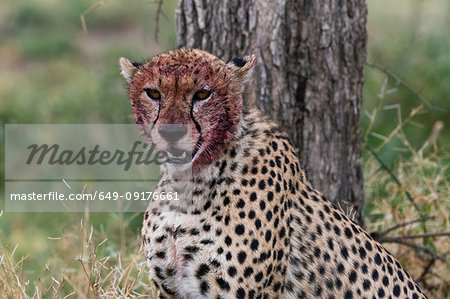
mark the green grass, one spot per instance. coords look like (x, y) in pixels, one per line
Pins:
(53, 72)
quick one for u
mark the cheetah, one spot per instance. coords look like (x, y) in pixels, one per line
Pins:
(248, 224)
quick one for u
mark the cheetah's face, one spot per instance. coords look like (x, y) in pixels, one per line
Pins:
(190, 101)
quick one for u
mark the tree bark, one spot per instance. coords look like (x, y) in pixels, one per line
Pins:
(308, 78)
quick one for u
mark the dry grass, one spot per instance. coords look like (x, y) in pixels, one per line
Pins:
(427, 259)
(87, 266)
(409, 205)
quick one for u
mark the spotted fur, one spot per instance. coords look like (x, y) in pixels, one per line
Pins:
(248, 224)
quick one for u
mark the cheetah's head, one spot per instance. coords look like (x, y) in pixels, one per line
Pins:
(190, 100)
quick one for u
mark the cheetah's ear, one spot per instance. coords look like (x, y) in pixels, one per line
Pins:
(129, 68)
(242, 65)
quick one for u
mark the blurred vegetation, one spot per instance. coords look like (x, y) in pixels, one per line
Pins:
(51, 71)
(408, 39)
(406, 137)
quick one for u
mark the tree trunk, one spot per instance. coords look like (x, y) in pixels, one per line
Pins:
(308, 78)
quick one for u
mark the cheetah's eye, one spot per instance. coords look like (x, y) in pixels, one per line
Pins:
(153, 94)
(202, 95)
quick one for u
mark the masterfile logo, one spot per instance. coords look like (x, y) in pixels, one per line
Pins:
(78, 167)
(140, 153)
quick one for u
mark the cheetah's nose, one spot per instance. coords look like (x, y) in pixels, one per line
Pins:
(172, 133)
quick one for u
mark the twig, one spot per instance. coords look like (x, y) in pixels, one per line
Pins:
(400, 225)
(426, 270)
(440, 234)
(158, 13)
(403, 83)
(419, 247)
(88, 11)
(393, 176)
(437, 128)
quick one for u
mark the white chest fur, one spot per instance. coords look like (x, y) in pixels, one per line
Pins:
(173, 239)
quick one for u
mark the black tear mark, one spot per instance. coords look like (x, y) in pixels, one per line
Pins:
(198, 127)
(157, 116)
(239, 61)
